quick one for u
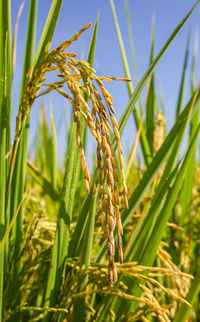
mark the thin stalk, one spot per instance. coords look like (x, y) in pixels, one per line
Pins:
(5, 126)
(85, 259)
(132, 46)
(143, 139)
(2, 195)
(19, 169)
(54, 148)
(183, 78)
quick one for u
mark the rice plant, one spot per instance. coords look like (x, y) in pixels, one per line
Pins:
(60, 226)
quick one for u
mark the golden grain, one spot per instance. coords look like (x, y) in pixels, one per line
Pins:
(97, 122)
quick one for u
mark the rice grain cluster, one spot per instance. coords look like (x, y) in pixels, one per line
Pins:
(79, 78)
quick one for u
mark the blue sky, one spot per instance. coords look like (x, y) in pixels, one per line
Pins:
(75, 14)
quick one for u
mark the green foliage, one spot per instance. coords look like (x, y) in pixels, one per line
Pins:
(52, 247)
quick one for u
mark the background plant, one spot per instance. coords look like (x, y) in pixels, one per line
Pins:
(52, 250)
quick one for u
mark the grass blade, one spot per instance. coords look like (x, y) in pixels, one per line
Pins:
(133, 51)
(145, 232)
(157, 232)
(8, 229)
(154, 238)
(54, 148)
(151, 99)
(91, 52)
(132, 47)
(17, 187)
(14, 42)
(47, 146)
(5, 128)
(85, 259)
(182, 86)
(20, 165)
(48, 30)
(131, 104)
(46, 186)
(186, 193)
(145, 225)
(122, 49)
(184, 310)
(77, 236)
(140, 236)
(143, 187)
(2, 193)
(60, 247)
(143, 139)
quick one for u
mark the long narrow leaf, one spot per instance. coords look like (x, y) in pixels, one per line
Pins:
(131, 105)
(17, 188)
(151, 99)
(48, 30)
(156, 164)
(60, 247)
(5, 127)
(143, 138)
(85, 259)
(184, 310)
(183, 79)
(186, 193)
(47, 187)
(154, 239)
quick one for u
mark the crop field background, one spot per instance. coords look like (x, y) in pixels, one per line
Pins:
(99, 161)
